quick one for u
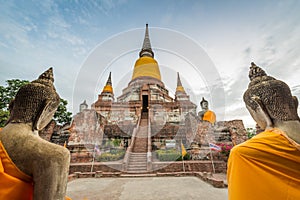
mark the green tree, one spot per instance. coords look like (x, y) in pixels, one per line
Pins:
(6, 95)
(8, 92)
(62, 116)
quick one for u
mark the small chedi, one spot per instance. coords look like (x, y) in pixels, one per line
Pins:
(31, 167)
(271, 157)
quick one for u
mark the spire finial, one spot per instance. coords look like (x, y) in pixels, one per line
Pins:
(178, 80)
(179, 87)
(109, 80)
(146, 49)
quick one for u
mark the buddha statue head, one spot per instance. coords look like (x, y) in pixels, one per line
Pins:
(268, 100)
(36, 102)
(204, 104)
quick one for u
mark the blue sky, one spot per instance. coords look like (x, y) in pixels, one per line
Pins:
(35, 35)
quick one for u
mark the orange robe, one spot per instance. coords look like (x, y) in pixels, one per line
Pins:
(209, 116)
(266, 167)
(14, 184)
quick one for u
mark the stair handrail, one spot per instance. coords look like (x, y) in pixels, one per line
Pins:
(149, 151)
(130, 147)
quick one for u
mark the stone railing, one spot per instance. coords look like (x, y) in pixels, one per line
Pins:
(149, 151)
(130, 147)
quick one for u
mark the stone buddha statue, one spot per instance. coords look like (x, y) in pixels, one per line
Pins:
(205, 114)
(31, 167)
(269, 162)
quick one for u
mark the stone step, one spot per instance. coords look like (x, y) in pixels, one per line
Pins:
(141, 157)
(138, 175)
(141, 136)
(137, 168)
(137, 172)
(139, 148)
(138, 154)
(138, 163)
(140, 142)
(138, 158)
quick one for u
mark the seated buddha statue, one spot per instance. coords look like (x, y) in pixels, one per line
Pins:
(268, 165)
(30, 167)
(205, 114)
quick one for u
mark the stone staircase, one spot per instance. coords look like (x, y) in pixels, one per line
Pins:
(138, 158)
(137, 163)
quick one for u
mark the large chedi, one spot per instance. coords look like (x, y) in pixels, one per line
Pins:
(145, 93)
(144, 118)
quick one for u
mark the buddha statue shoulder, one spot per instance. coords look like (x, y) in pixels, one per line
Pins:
(35, 167)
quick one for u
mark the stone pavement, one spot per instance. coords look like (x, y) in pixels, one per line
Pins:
(145, 188)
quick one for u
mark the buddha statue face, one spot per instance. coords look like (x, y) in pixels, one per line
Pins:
(36, 102)
(268, 100)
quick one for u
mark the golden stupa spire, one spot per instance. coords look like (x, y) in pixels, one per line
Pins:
(179, 84)
(108, 86)
(146, 65)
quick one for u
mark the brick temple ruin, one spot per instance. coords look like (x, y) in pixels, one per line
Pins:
(143, 118)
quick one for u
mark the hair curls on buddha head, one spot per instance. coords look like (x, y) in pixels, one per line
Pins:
(34, 100)
(274, 96)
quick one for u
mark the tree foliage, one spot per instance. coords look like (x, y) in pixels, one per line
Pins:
(8, 92)
(251, 132)
(62, 116)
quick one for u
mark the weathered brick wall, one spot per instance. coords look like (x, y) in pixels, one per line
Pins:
(230, 132)
(87, 127)
(162, 167)
(86, 167)
(47, 132)
(237, 131)
(190, 166)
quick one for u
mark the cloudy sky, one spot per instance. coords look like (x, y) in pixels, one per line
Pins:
(210, 43)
